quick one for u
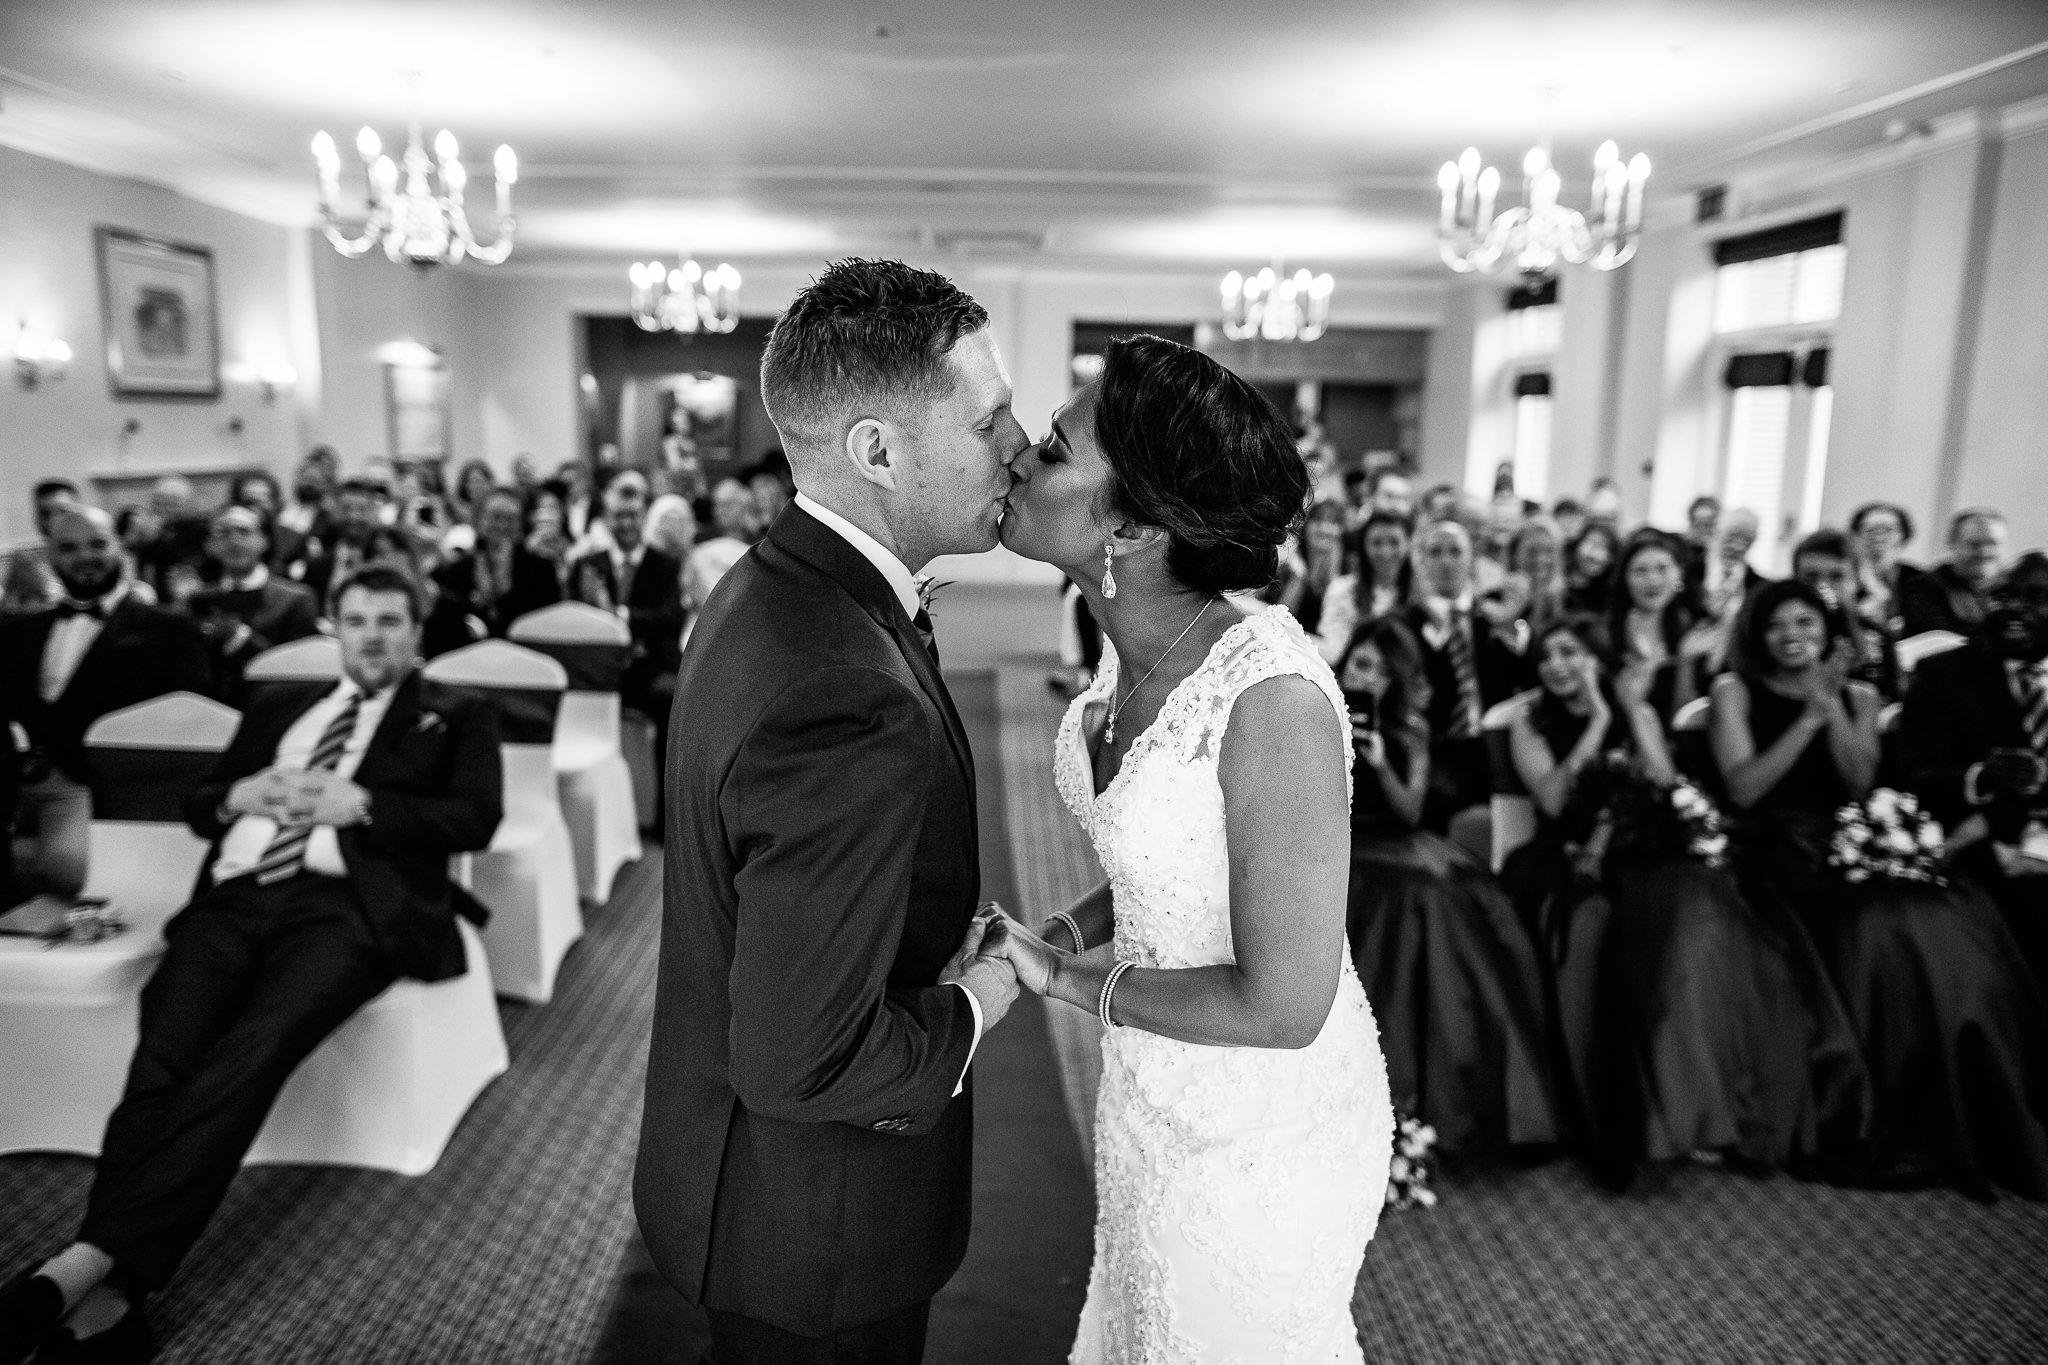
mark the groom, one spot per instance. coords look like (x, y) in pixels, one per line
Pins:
(804, 1158)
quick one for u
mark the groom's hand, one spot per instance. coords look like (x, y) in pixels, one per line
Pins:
(991, 980)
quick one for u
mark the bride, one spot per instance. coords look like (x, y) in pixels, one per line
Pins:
(1243, 1129)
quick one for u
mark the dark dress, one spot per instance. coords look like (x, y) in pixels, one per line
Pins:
(1451, 976)
(1950, 1024)
(1685, 1020)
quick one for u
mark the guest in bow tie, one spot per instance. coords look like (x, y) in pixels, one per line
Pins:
(333, 815)
(62, 668)
(251, 609)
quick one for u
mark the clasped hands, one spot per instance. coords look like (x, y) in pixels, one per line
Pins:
(997, 957)
(297, 796)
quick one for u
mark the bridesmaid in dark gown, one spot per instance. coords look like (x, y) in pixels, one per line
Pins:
(1951, 1027)
(1452, 978)
(1681, 1016)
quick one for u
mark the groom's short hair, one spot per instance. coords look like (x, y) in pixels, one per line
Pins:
(866, 338)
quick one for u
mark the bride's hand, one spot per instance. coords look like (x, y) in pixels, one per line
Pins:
(1034, 960)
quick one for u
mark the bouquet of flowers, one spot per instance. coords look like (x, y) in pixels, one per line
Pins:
(1408, 1177)
(1652, 820)
(1887, 836)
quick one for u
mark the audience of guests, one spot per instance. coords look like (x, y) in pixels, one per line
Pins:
(1953, 594)
(1381, 583)
(1882, 530)
(333, 816)
(1590, 558)
(733, 514)
(356, 536)
(1826, 562)
(1651, 623)
(499, 579)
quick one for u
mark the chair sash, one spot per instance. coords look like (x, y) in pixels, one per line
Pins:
(526, 715)
(145, 784)
(592, 667)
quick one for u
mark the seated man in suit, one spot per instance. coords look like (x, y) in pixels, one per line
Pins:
(1973, 742)
(358, 536)
(500, 580)
(64, 667)
(645, 587)
(252, 609)
(1953, 594)
(1472, 655)
(333, 815)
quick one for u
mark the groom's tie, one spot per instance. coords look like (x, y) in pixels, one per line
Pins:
(923, 622)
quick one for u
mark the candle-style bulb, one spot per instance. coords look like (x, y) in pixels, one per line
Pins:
(1639, 168)
(1535, 163)
(1606, 156)
(368, 144)
(506, 164)
(444, 145)
(323, 150)
(1468, 164)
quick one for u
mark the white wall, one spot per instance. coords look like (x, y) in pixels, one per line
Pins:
(49, 278)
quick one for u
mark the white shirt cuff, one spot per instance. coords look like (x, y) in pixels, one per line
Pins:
(974, 1005)
(1971, 796)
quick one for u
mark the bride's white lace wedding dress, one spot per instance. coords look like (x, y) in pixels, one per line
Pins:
(1236, 1187)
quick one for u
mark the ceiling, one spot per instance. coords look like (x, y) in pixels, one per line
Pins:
(1154, 131)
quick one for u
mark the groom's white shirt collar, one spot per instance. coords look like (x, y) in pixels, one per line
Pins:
(905, 587)
(888, 565)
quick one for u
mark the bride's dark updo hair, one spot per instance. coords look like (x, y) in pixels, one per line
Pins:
(1195, 450)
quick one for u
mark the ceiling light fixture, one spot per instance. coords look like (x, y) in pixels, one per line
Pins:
(414, 224)
(1535, 237)
(1273, 307)
(688, 298)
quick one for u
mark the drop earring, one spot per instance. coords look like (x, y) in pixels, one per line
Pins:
(1109, 571)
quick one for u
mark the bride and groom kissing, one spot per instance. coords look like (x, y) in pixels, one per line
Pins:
(827, 966)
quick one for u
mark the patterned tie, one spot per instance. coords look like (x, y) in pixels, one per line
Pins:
(287, 851)
(2034, 708)
(1465, 722)
(925, 632)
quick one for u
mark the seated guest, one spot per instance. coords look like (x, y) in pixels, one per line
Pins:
(547, 527)
(357, 536)
(1452, 978)
(500, 580)
(1382, 585)
(1681, 1016)
(1696, 546)
(671, 528)
(772, 486)
(1589, 564)
(258, 489)
(1603, 503)
(644, 586)
(1307, 570)
(1392, 491)
(1471, 662)
(580, 512)
(732, 513)
(29, 585)
(1536, 557)
(303, 529)
(61, 669)
(1651, 623)
(1973, 742)
(1725, 579)
(333, 815)
(1949, 1020)
(1880, 531)
(168, 558)
(252, 609)
(1825, 562)
(1952, 594)
(1570, 516)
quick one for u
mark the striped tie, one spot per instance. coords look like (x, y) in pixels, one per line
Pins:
(287, 851)
(2034, 708)
(1465, 722)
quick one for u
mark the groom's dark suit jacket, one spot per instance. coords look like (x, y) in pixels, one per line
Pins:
(803, 1160)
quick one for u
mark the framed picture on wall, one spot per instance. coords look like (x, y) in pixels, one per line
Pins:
(416, 407)
(162, 320)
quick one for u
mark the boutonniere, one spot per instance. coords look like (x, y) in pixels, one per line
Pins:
(1436, 634)
(928, 593)
(427, 722)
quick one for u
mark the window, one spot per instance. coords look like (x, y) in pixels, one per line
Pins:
(1535, 327)
(1532, 435)
(1777, 295)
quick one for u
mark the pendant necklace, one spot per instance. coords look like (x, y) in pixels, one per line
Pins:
(1116, 709)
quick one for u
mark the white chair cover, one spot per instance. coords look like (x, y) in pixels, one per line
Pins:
(527, 877)
(1915, 648)
(68, 1015)
(590, 765)
(1514, 813)
(315, 658)
(388, 1088)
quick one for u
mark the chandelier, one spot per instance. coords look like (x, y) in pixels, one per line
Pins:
(688, 298)
(1268, 306)
(414, 224)
(1535, 237)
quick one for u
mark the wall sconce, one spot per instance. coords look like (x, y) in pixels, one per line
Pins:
(37, 359)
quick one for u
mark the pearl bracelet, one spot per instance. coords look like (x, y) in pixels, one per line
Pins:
(1080, 943)
(1109, 985)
